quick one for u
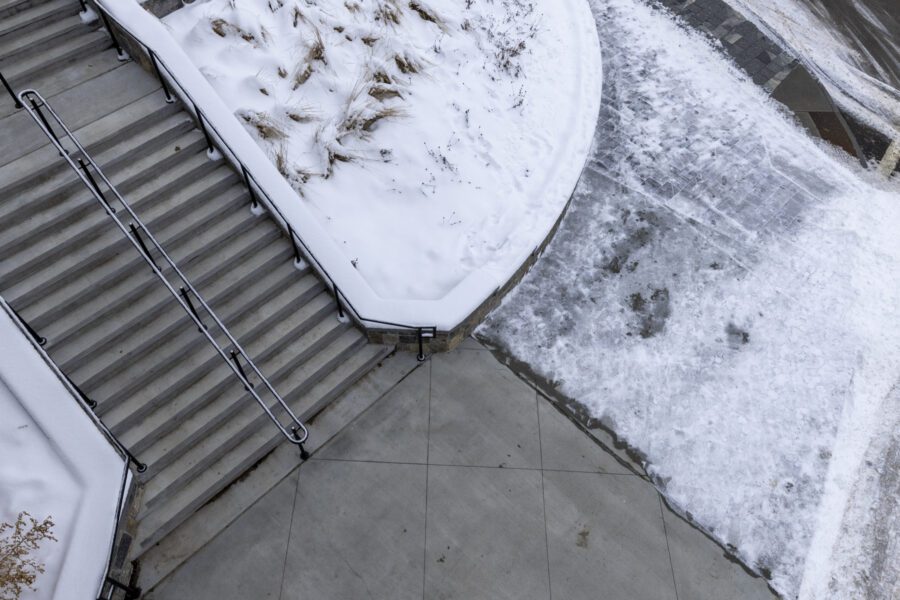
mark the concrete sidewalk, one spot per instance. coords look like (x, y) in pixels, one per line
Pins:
(462, 482)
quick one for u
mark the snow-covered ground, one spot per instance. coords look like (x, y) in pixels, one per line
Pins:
(853, 46)
(55, 462)
(432, 139)
(723, 294)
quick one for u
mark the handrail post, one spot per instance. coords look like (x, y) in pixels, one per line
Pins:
(304, 455)
(10, 90)
(40, 114)
(187, 299)
(121, 54)
(41, 340)
(240, 368)
(162, 81)
(96, 188)
(131, 592)
(209, 143)
(136, 234)
(337, 300)
(254, 203)
(298, 257)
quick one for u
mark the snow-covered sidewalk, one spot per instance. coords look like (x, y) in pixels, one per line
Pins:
(722, 294)
(55, 462)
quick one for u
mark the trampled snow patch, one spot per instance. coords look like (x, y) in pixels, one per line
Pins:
(431, 139)
(723, 294)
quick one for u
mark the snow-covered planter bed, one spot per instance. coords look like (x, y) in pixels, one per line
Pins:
(57, 463)
(421, 150)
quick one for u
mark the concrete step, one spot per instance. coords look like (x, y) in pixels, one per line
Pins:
(41, 288)
(120, 380)
(180, 424)
(56, 82)
(129, 161)
(106, 330)
(248, 451)
(9, 8)
(228, 235)
(22, 174)
(87, 239)
(124, 381)
(77, 356)
(213, 431)
(18, 45)
(56, 56)
(37, 16)
(140, 416)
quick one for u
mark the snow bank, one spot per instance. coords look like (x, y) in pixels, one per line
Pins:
(723, 294)
(57, 463)
(439, 205)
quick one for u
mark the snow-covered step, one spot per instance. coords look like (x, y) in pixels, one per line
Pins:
(20, 44)
(174, 509)
(219, 396)
(37, 16)
(124, 164)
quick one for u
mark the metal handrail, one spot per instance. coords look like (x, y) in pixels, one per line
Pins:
(206, 125)
(133, 233)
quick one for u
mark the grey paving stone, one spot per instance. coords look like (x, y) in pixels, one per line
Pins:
(565, 447)
(481, 413)
(606, 538)
(486, 537)
(394, 429)
(244, 561)
(357, 532)
(703, 571)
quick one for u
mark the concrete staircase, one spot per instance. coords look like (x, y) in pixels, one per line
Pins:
(111, 326)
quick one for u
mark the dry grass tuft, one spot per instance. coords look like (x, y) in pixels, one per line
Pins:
(426, 13)
(388, 12)
(406, 65)
(266, 127)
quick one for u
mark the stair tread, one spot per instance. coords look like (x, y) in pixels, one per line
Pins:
(313, 332)
(57, 55)
(16, 45)
(186, 372)
(36, 14)
(155, 524)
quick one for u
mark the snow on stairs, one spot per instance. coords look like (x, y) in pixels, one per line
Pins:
(114, 328)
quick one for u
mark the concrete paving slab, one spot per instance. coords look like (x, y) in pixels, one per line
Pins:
(357, 532)
(486, 536)
(395, 429)
(606, 538)
(244, 561)
(481, 413)
(702, 569)
(564, 447)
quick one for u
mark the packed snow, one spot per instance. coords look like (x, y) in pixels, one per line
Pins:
(431, 139)
(853, 47)
(723, 295)
(56, 463)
